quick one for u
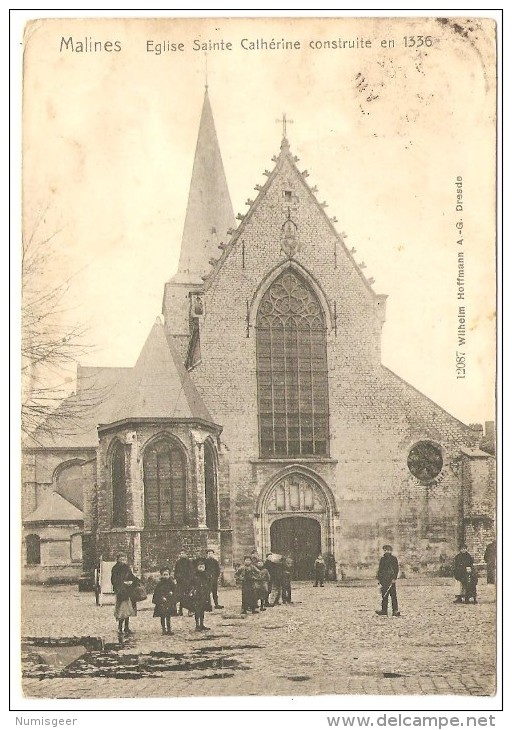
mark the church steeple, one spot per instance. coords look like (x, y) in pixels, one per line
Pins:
(209, 209)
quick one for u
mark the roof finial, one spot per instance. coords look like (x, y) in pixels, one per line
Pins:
(205, 71)
(284, 121)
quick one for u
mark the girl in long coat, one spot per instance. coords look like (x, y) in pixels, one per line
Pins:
(198, 600)
(123, 581)
(164, 600)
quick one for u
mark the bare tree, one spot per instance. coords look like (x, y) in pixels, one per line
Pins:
(51, 342)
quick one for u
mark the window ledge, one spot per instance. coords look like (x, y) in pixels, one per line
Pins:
(294, 460)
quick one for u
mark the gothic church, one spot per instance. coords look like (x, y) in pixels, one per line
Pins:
(259, 414)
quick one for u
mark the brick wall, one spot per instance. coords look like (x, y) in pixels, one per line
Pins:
(479, 501)
(375, 417)
(161, 547)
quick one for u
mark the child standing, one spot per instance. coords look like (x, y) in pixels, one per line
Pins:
(319, 571)
(247, 575)
(163, 598)
(287, 580)
(123, 581)
(470, 584)
(261, 585)
(200, 595)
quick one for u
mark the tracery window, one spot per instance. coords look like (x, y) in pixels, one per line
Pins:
(118, 475)
(164, 484)
(291, 370)
(425, 461)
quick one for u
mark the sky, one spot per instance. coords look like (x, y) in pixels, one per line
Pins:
(384, 132)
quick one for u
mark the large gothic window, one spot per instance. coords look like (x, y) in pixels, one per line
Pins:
(210, 488)
(119, 515)
(291, 370)
(164, 484)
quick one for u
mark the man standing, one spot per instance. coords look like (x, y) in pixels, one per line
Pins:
(269, 565)
(319, 571)
(490, 559)
(183, 575)
(387, 575)
(461, 561)
(212, 569)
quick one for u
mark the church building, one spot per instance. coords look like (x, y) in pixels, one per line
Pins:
(259, 414)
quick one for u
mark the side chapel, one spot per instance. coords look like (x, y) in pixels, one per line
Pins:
(259, 414)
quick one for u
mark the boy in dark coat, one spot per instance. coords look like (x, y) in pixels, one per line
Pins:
(247, 575)
(387, 575)
(461, 561)
(470, 581)
(199, 595)
(287, 580)
(213, 570)
(183, 575)
(319, 571)
(163, 598)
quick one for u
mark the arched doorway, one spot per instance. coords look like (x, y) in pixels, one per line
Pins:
(299, 538)
(296, 494)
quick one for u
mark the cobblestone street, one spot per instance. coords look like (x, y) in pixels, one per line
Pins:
(330, 641)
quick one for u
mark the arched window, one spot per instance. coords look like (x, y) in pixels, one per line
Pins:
(291, 370)
(164, 484)
(210, 488)
(119, 516)
(33, 545)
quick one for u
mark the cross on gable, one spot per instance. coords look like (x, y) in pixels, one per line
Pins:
(284, 121)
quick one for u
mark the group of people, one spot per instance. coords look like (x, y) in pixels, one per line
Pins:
(464, 571)
(194, 583)
(264, 583)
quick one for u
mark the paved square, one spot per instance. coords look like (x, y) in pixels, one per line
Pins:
(330, 641)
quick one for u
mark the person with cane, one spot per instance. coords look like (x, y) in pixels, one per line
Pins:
(387, 575)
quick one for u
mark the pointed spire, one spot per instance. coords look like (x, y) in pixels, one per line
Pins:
(209, 209)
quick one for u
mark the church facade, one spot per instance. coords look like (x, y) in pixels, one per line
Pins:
(259, 414)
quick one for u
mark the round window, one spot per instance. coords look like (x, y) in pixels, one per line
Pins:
(425, 461)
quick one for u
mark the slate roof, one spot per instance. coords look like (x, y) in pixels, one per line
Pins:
(476, 453)
(209, 209)
(55, 508)
(157, 387)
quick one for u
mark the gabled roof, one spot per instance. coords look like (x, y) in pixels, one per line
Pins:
(285, 156)
(73, 423)
(209, 209)
(158, 386)
(476, 453)
(55, 508)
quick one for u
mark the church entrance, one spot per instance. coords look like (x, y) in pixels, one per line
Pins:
(299, 538)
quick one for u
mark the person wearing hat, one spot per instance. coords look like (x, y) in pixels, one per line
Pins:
(199, 595)
(461, 562)
(387, 575)
(213, 570)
